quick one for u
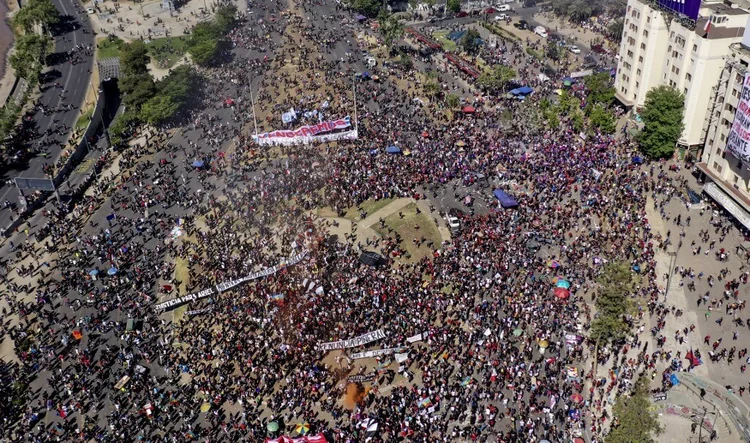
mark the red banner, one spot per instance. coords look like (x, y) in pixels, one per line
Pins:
(319, 438)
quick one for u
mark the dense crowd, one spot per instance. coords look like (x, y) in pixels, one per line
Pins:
(487, 350)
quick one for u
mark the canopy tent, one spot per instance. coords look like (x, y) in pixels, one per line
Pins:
(198, 164)
(468, 109)
(372, 258)
(637, 160)
(393, 150)
(523, 90)
(563, 284)
(562, 293)
(506, 201)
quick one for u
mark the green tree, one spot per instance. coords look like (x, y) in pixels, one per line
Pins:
(603, 119)
(432, 88)
(452, 101)
(580, 10)
(662, 118)
(204, 43)
(552, 50)
(28, 58)
(134, 58)
(600, 88)
(497, 78)
(390, 28)
(453, 5)
(137, 89)
(470, 41)
(159, 109)
(8, 117)
(225, 18)
(577, 121)
(634, 421)
(368, 8)
(616, 28)
(36, 12)
(612, 304)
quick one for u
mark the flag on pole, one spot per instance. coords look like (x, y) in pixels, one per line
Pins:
(707, 27)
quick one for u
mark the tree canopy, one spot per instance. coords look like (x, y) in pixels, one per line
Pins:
(208, 38)
(600, 88)
(633, 421)
(36, 12)
(390, 28)
(497, 78)
(470, 41)
(453, 5)
(662, 118)
(612, 303)
(368, 8)
(29, 55)
(134, 58)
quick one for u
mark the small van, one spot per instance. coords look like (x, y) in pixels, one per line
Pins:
(503, 8)
(540, 31)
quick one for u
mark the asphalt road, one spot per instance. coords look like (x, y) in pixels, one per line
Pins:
(74, 79)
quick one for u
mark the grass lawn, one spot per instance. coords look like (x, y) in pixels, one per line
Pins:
(107, 48)
(84, 119)
(166, 51)
(445, 42)
(370, 206)
(412, 226)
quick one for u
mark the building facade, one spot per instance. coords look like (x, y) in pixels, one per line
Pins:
(660, 48)
(727, 179)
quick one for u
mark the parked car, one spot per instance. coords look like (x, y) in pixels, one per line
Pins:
(501, 17)
(540, 31)
(462, 14)
(521, 24)
(453, 223)
(574, 49)
(503, 8)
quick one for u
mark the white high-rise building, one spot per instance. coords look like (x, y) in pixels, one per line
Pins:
(659, 47)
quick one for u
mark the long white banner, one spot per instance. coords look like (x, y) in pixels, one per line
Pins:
(352, 342)
(227, 285)
(322, 132)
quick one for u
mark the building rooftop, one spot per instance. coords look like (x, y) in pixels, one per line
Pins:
(717, 32)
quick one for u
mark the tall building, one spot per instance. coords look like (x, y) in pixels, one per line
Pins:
(664, 45)
(726, 154)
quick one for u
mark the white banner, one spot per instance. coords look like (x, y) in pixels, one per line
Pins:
(738, 143)
(322, 132)
(375, 353)
(227, 285)
(353, 342)
(415, 338)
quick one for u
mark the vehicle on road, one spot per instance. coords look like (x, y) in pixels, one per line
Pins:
(453, 223)
(574, 49)
(501, 17)
(462, 14)
(540, 31)
(521, 24)
(503, 8)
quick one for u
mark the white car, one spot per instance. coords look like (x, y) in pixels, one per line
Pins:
(574, 49)
(453, 223)
(501, 17)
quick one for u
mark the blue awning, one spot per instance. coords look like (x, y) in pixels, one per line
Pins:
(393, 150)
(506, 201)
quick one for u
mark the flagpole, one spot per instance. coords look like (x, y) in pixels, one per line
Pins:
(354, 89)
(252, 103)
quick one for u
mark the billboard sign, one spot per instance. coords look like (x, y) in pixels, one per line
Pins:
(36, 184)
(738, 143)
(688, 8)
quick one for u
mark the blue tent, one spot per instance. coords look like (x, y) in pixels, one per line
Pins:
(393, 150)
(198, 164)
(637, 160)
(523, 90)
(506, 201)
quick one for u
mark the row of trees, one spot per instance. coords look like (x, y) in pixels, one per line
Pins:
(30, 52)
(633, 421)
(581, 10)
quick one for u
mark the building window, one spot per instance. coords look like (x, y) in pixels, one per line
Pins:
(645, 34)
(648, 19)
(717, 167)
(735, 93)
(685, 91)
(640, 59)
(723, 137)
(695, 48)
(630, 54)
(736, 179)
(643, 46)
(672, 83)
(638, 72)
(636, 85)
(688, 77)
(739, 79)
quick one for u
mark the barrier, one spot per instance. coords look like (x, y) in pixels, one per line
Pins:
(730, 405)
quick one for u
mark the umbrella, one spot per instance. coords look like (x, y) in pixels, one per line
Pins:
(563, 284)
(302, 428)
(554, 264)
(517, 332)
(576, 398)
(579, 440)
(461, 143)
(94, 272)
(229, 102)
(272, 426)
(544, 344)
(567, 83)
(466, 381)
(198, 164)
(425, 134)
(468, 109)
(562, 293)
(393, 150)
(205, 407)
(112, 271)
(77, 335)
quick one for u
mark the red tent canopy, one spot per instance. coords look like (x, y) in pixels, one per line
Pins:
(469, 109)
(562, 293)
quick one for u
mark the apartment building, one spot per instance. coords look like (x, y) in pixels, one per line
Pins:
(660, 47)
(727, 179)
